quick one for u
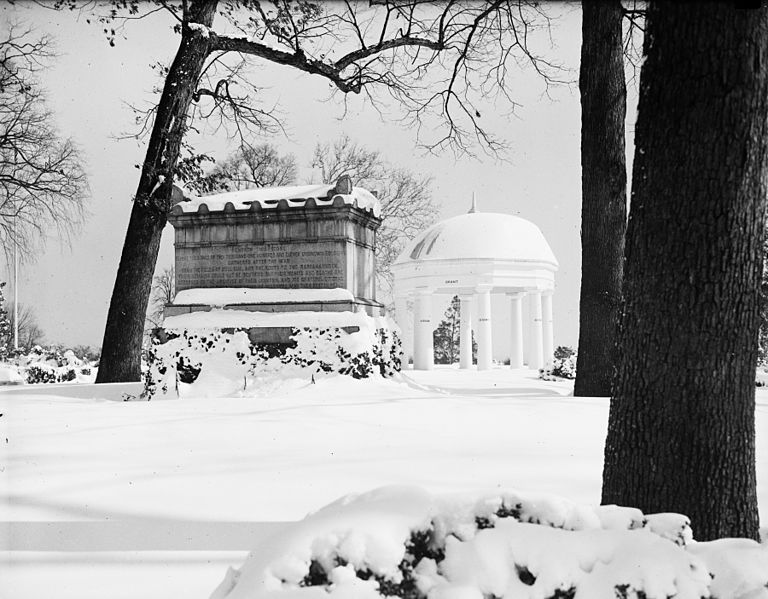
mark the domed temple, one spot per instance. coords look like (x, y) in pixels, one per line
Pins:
(474, 256)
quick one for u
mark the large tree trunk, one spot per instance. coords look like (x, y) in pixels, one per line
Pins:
(603, 193)
(121, 348)
(681, 433)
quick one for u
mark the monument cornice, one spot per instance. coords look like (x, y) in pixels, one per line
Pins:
(282, 241)
(345, 212)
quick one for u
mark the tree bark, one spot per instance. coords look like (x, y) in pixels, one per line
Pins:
(121, 348)
(603, 192)
(681, 433)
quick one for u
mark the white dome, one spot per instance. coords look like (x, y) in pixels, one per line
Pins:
(480, 235)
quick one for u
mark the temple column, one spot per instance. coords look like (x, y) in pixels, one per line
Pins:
(516, 331)
(484, 328)
(547, 330)
(423, 342)
(465, 332)
(406, 329)
(537, 334)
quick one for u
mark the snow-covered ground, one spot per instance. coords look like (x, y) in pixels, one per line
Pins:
(105, 498)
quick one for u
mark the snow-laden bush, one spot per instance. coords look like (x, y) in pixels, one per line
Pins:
(403, 542)
(563, 365)
(40, 373)
(52, 365)
(66, 375)
(761, 377)
(45, 373)
(227, 362)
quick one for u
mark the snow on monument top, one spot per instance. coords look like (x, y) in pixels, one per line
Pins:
(480, 235)
(228, 296)
(292, 196)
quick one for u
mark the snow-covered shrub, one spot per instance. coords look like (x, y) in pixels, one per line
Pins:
(545, 374)
(368, 352)
(40, 373)
(5, 327)
(564, 363)
(197, 357)
(383, 357)
(65, 375)
(52, 365)
(761, 377)
(403, 542)
(391, 352)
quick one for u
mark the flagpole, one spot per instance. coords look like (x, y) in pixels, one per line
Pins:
(15, 286)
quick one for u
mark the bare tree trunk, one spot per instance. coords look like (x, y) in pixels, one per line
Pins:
(603, 192)
(681, 434)
(121, 348)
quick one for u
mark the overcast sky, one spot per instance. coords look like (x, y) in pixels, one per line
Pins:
(90, 83)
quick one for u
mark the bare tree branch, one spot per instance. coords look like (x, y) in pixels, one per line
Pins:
(163, 293)
(257, 166)
(30, 333)
(634, 31)
(406, 198)
(400, 49)
(42, 182)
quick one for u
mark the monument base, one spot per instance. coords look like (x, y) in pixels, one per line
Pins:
(269, 301)
(357, 305)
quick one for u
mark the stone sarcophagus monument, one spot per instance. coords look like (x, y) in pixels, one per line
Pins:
(281, 249)
(270, 281)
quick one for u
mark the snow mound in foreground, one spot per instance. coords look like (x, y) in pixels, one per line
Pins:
(403, 542)
(10, 375)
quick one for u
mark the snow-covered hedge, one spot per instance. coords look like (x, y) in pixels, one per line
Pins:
(761, 377)
(41, 365)
(227, 362)
(403, 542)
(563, 365)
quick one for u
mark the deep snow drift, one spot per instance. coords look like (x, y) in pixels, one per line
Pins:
(406, 543)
